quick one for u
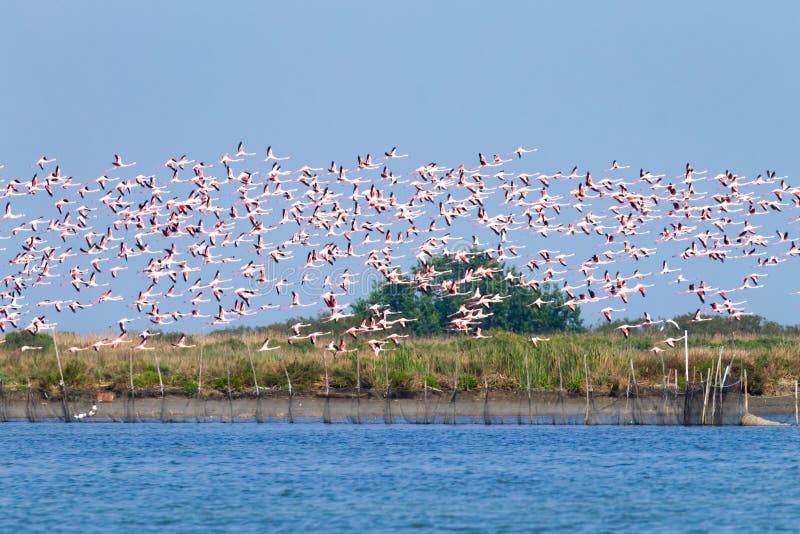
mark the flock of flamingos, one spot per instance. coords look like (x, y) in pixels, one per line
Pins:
(210, 243)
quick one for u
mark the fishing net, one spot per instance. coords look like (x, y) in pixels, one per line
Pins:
(697, 404)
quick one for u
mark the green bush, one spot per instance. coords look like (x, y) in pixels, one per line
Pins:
(189, 387)
(467, 382)
(304, 374)
(343, 377)
(147, 379)
(221, 384)
(272, 379)
(74, 372)
(400, 380)
(19, 338)
(432, 381)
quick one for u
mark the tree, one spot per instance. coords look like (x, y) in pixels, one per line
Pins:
(424, 297)
(409, 303)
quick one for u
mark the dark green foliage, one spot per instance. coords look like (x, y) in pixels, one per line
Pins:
(304, 374)
(399, 379)
(467, 382)
(272, 379)
(75, 372)
(221, 384)
(165, 370)
(146, 380)
(410, 304)
(343, 377)
(432, 308)
(718, 332)
(232, 344)
(746, 325)
(20, 338)
(189, 387)
(168, 337)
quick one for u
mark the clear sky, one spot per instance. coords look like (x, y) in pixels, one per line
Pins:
(651, 84)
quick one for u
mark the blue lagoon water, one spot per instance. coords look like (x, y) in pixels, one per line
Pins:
(281, 477)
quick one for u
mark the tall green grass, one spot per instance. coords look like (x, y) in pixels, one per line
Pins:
(772, 363)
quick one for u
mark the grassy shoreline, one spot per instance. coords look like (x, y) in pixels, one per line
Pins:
(220, 361)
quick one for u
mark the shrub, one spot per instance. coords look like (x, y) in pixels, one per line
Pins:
(432, 381)
(303, 374)
(400, 380)
(74, 372)
(468, 382)
(343, 377)
(147, 379)
(189, 387)
(19, 338)
(221, 384)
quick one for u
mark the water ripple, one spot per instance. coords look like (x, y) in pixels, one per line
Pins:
(148, 477)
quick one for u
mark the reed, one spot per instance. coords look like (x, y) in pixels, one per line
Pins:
(508, 362)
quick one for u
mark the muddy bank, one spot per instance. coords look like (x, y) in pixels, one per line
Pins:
(657, 408)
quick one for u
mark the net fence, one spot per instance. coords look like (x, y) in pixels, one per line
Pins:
(697, 404)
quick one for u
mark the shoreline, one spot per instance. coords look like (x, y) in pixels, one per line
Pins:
(502, 407)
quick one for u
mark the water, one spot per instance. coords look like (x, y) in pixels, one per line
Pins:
(281, 477)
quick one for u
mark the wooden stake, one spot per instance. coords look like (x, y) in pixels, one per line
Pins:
(253, 369)
(796, 418)
(746, 399)
(291, 395)
(686, 354)
(30, 411)
(633, 374)
(455, 383)
(327, 382)
(487, 416)
(527, 377)
(455, 375)
(717, 380)
(228, 383)
(130, 369)
(425, 390)
(131, 408)
(560, 379)
(705, 396)
(386, 369)
(358, 374)
(161, 386)
(588, 388)
(387, 404)
(3, 414)
(713, 394)
(64, 401)
(200, 372)
(288, 380)
(160, 381)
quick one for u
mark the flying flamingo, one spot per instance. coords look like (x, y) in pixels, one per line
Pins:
(272, 157)
(181, 343)
(119, 164)
(44, 161)
(265, 346)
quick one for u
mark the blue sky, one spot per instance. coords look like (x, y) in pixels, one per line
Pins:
(653, 85)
